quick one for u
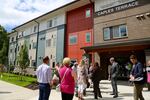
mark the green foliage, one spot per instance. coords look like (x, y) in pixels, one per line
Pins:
(3, 45)
(23, 58)
(14, 79)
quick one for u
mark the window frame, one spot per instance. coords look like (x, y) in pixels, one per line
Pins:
(89, 15)
(87, 33)
(112, 32)
(71, 36)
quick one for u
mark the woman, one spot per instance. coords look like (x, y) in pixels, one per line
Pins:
(82, 74)
(67, 80)
(96, 79)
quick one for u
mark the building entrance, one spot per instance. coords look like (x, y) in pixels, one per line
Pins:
(123, 60)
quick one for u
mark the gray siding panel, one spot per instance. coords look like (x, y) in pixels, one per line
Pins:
(41, 47)
(60, 43)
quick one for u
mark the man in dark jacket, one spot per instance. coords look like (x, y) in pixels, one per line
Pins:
(113, 76)
(96, 80)
(136, 76)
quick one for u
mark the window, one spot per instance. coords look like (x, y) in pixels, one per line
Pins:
(11, 50)
(55, 21)
(34, 45)
(115, 32)
(12, 39)
(88, 37)
(106, 33)
(88, 13)
(30, 46)
(18, 48)
(48, 43)
(50, 23)
(35, 28)
(33, 63)
(123, 30)
(73, 39)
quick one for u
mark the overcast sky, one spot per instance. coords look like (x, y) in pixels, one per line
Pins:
(16, 12)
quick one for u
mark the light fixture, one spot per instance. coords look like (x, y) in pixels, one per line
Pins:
(142, 16)
(138, 17)
(147, 14)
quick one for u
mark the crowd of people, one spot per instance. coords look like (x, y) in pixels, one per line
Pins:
(75, 78)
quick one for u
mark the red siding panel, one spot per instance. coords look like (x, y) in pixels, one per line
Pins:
(78, 24)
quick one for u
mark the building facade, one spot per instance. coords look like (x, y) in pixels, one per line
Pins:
(79, 31)
(121, 28)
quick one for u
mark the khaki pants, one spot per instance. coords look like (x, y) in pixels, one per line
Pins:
(138, 91)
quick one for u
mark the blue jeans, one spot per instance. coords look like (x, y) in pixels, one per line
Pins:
(44, 91)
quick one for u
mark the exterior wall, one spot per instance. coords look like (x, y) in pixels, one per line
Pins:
(60, 43)
(12, 55)
(78, 24)
(41, 47)
(60, 21)
(51, 50)
(137, 29)
(32, 52)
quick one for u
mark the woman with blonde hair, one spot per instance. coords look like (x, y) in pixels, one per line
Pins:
(67, 80)
(81, 76)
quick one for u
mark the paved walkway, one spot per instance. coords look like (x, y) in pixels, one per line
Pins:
(12, 92)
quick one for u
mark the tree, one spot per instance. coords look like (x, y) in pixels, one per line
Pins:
(23, 59)
(3, 48)
(3, 45)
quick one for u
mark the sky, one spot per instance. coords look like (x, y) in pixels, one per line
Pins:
(17, 12)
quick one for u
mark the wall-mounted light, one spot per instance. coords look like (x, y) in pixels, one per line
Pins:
(147, 14)
(138, 17)
(142, 16)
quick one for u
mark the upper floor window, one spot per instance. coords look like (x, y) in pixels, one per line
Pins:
(115, 32)
(88, 13)
(49, 23)
(72, 39)
(12, 39)
(88, 37)
(34, 28)
(55, 21)
(48, 43)
(34, 45)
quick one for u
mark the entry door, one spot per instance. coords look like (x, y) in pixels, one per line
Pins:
(41, 48)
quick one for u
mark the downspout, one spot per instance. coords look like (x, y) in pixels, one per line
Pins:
(37, 43)
(93, 9)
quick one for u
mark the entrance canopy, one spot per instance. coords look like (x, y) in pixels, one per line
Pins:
(126, 45)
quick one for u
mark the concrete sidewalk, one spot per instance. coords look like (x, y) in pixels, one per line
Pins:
(12, 92)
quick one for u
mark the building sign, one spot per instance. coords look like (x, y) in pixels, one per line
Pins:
(117, 8)
(105, 4)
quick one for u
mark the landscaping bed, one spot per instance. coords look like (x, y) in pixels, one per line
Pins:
(24, 81)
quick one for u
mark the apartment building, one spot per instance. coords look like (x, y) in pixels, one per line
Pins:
(46, 34)
(121, 28)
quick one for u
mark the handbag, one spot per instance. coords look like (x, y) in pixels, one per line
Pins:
(58, 86)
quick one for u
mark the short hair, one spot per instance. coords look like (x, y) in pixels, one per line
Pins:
(45, 59)
(66, 61)
(112, 59)
(133, 57)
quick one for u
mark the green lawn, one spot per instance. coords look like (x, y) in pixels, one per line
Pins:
(15, 79)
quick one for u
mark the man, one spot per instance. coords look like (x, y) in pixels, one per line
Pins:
(136, 72)
(113, 76)
(44, 77)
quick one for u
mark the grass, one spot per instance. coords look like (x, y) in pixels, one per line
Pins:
(15, 79)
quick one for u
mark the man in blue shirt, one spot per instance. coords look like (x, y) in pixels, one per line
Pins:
(136, 76)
